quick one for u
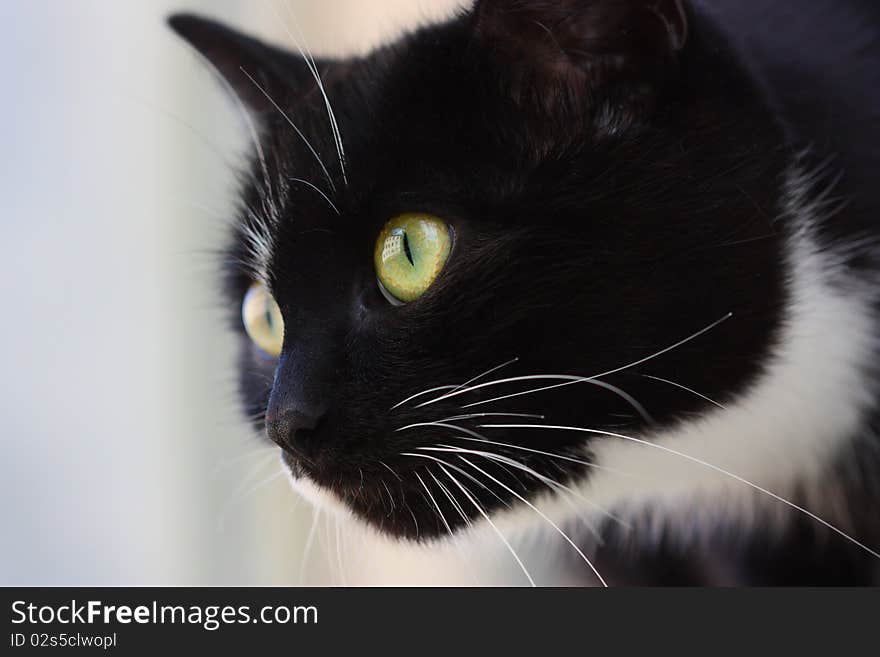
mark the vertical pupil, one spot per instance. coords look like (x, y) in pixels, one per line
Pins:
(269, 317)
(407, 250)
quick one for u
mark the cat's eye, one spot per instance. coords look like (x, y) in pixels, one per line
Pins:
(262, 319)
(410, 253)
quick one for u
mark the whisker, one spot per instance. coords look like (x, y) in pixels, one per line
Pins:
(313, 68)
(317, 189)
(455, 387)
(310, 539)
(678, 385)
(499, 460)
(451, 498)
(629, 399)
(553, 455)
(457, 469)
(487, 373)
(452, 538)
(441, 425)
(569, 379)
(245, 117)
(478, 437)
(475, 415)
(540, 513)
(241, 494)
(494, 527)
(434, 503)
(242, 488)
(625, 396)
(419, 394)
(700, 462)
(390, 496)
(264, 450)
(339, 558)
(390, 469)
(292, 125)
(552, 483)
(415, 520)
(572, 379)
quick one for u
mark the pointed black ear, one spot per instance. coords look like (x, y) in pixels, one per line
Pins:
(254, 70)
(580, 45)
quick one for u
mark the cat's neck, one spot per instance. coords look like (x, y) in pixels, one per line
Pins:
(778, 437)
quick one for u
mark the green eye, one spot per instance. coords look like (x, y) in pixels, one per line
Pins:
(262, 319)
(410, 252)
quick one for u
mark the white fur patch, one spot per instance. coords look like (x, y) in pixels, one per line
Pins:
(321, 497)
(784, 431)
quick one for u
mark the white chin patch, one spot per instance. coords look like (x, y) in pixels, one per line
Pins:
(317, 495)
(784, 431)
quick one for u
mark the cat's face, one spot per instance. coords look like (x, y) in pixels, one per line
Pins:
(547, 191)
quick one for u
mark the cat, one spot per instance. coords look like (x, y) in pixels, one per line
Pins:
(605, 271)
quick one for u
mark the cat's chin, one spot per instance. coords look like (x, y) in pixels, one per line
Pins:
(323, 498)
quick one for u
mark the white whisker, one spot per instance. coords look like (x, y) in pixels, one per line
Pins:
(552, 483)
(339, 558)
(452, 538)
(478, 437)
(319, 190)
(570, 379)
(310, 539)
(313, 68)
(486, 373)
(419, 394)
(390, 469)
(246, 118)
(678, 385)
(629, 399)
(457, 469)
(390, 496)
(475, 415)
(540, 513)
(434, 503)
(493, 526)
(500, 460)
(442, 425)
(553, 455)
(451, 498)
(698, 461)
(455, 387)
(242, 490)
(292, 125)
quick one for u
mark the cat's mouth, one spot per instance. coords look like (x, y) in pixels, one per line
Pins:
(322, 497)
(293, 465)
(336, 490)
(422, 494)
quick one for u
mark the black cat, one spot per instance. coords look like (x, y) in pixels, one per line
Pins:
(602, 269)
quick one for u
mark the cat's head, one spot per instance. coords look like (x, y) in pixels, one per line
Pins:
(538, 213)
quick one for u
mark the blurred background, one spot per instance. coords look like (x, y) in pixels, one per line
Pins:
(125, 460)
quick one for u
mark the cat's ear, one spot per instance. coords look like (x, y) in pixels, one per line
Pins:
(564, 50)
(257, 73)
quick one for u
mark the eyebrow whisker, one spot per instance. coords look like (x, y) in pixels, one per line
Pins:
(292, 125)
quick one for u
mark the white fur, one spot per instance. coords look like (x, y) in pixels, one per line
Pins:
(320, 497)
(785, 430)
(258, 231)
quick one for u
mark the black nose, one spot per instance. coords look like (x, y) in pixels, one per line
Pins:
(302, 394)
(284, 427)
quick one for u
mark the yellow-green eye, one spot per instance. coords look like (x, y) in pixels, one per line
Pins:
(410, 252)
(262, 319)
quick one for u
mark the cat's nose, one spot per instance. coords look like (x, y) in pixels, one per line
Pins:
(284, 426)
(301, 396)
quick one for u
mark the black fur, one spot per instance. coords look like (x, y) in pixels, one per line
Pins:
(613, 172)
